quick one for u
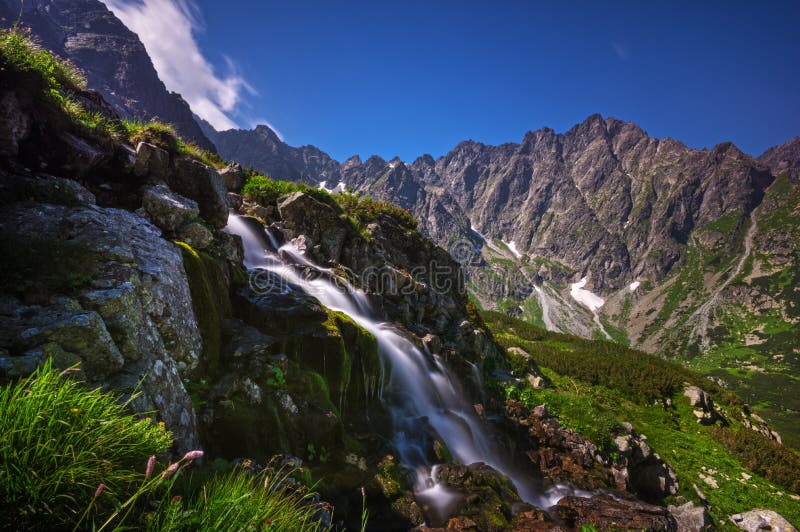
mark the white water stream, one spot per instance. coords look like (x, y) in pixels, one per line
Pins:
(419, 388)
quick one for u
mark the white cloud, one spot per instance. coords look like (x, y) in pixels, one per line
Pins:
(167, 27)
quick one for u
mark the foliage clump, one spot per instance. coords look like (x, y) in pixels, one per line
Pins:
(57, 82)
(78, 459)
(165, 137)
(60, 442)
(266, 191)
(640, 376)
(762, 455)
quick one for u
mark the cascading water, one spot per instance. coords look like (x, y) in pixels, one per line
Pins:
(420, 386)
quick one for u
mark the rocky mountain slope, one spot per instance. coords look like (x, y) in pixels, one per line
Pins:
(127, 260)
(113, 58)
(671, 240)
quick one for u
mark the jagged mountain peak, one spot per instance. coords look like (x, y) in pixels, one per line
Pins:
(784, 158)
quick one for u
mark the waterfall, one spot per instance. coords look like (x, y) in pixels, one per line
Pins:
(420, 386)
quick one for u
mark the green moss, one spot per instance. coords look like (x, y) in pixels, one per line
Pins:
(210, 300)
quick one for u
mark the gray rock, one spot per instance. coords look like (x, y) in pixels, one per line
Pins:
(196, 235)
(233, 177)
(135, 320)
(318, 222)
(151, 162)
(705, 412)
(690, 518)
(203, 184)
(758, 520)
(235, 200)
(168, 210)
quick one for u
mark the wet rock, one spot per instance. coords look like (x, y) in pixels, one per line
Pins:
(758, 520)
(705, 412)
(690, 518)
(487, 496)
(608, 513)
(319, 222)
(151, 162)
(235, 201)
(203, 184)
(167, 210)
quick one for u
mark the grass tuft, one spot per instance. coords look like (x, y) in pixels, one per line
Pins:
(60, 441)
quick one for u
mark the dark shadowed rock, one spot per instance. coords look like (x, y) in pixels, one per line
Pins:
(203, 184)
(607, 513)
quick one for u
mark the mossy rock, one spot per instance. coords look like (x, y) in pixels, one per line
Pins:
(209, 288)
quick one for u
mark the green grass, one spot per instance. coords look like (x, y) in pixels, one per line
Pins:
(74, 458)
(362, 209)
(57, 81)
(20, 53)
(237, 500)
(60, 441)
(165, 137)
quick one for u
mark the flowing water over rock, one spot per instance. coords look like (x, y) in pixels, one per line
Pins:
(420, 389)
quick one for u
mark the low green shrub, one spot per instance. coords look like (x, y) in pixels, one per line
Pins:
(153, 132)
(367, 209)
(761, 455)
(641, 376)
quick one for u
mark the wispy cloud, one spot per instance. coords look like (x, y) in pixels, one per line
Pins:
(623, 52)
(167, 28)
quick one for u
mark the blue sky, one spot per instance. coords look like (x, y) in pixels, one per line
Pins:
(407, 78)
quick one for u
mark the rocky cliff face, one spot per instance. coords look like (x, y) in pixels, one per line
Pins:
(783, 159)
(113, 58)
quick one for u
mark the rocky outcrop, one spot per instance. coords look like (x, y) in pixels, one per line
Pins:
(756, 520)
(113, 58)
(561, 455)
(705, 412)
(128, 313)
(640, 470)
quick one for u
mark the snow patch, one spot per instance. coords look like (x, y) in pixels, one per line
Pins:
(591, 300)
(634, 285)
(513, 247)
(340, 187)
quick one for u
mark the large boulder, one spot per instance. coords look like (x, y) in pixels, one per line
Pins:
(641, 470)
(691, 518)
(203, 184)
(233, 177)
(151, 162)
(15, 125)
(129, 318)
